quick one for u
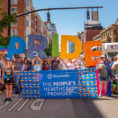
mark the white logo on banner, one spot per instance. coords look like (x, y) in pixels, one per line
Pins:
(49, 76)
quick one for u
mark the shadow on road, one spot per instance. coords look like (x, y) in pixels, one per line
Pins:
(85, 108)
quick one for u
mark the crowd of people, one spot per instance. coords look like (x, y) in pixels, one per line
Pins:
(10, 70)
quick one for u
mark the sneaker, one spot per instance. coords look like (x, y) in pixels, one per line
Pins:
(6, 99)
(100, 95)
(9, 99)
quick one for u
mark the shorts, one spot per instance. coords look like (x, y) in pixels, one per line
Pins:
(9, 81)
(103, 78)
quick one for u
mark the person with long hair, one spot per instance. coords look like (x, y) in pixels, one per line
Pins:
(8, 79)
(103, 74)
(37, 64)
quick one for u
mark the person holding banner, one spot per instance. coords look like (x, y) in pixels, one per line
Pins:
(37, 64)
(103, 74)
(8, 79)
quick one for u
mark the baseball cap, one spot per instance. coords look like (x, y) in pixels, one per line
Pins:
(102, 56)
(7, 58)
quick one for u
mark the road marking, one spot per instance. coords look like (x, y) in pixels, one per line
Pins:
(21, 107)
(15, 104)
(3, 106)
(37, 108)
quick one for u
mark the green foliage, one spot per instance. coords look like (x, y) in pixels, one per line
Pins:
(48, 50)
(5, 21)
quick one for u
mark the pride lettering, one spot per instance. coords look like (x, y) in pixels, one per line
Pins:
(42, 44)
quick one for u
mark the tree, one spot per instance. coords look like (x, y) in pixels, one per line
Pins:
(48, 50)
(5, 21)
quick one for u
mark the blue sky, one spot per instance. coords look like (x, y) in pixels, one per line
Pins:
(69, 22)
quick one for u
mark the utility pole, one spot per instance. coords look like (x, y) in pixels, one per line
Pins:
(63, 8)
(9, 12)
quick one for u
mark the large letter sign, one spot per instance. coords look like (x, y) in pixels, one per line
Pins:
(55, 45)
(12, 46)
(78, 47)
(36, 43)
(89, 53)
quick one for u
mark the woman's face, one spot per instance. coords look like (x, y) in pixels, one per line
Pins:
(7, 62)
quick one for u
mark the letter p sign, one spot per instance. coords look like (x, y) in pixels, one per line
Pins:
(12, 46)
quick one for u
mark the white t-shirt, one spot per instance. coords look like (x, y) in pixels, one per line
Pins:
(70, 66)
(37, 67)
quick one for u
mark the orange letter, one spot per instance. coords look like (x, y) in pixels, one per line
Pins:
(78, 47)
(89, 53)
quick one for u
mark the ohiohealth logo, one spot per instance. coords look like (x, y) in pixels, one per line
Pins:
(49, 76)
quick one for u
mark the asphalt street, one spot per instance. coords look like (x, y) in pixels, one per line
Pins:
(104, 107)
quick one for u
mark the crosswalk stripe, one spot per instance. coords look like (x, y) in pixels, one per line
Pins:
(15, 104)
(21, 107)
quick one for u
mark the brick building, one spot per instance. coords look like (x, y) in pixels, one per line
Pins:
(91, 29)
(28, 24)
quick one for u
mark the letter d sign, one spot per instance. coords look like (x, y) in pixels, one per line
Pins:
(12, 46)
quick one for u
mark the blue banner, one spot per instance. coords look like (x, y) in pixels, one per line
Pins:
(60, 84)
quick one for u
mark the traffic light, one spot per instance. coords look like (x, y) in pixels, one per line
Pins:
(88, 14)
(48, 16)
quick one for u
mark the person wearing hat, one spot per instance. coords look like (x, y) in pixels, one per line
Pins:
(102, 73)
(115, 69)
(8, 78)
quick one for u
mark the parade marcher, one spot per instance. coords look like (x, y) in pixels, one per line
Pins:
(115, 69)
(103, 73)
(24, 68)
(79, 64)
(8, 79)
(17, 69)
(29, 66)
(70, 64)
(55, 64)
(108, 65)
(37, 64)
(63, 64)
(48, 65)
(1, 73)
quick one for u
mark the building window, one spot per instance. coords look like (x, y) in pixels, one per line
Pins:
(27, 23)
(13, 10)
(27, 2)
(27, 11)
(14, 24)
(14, 32)
(115, 32)
(14, 1)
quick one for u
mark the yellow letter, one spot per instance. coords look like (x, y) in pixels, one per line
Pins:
(78, 47)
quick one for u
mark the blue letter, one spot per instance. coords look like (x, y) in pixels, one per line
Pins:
(12, 46)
